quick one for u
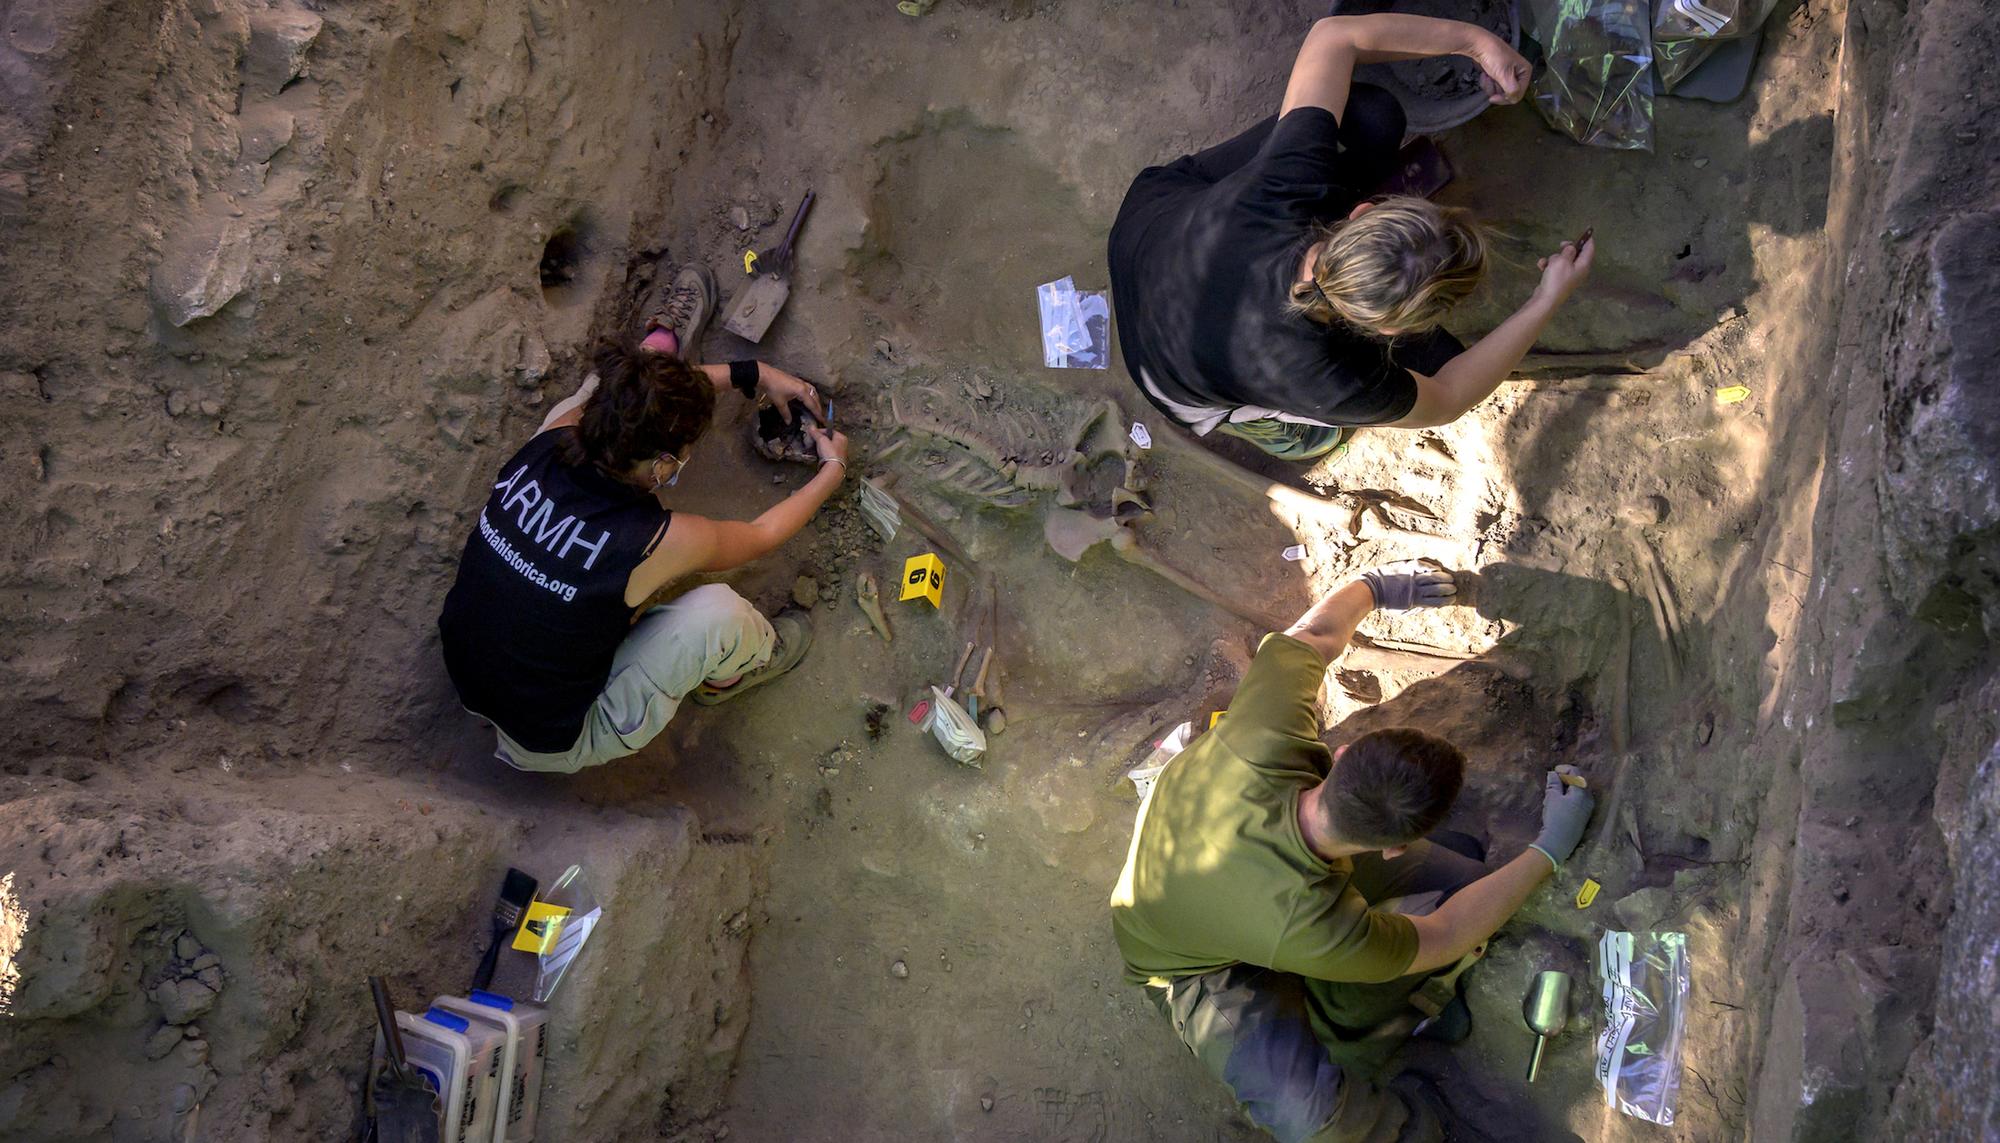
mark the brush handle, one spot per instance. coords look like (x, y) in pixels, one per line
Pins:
(482, 978)
(783, 258)
(392, 1036)
(1535, 1064)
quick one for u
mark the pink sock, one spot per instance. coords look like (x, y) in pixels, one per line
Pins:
(662, 340)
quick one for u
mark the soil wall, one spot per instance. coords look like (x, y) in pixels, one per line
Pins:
(272, 273)
(1885, 934)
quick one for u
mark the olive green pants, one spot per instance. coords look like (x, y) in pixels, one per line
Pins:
(1295, 1051)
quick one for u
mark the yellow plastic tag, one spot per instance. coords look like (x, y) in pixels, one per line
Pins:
(1214, 716)
(1732, 394)
(923, 578)
(540, 927)
(1587, 893)
(749, 261)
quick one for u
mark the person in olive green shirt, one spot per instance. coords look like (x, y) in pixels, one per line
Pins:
(1279, 900)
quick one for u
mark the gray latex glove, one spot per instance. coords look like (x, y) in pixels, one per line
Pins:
(1565, 813)
(1410, 583)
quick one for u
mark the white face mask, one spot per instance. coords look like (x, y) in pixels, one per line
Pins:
(669, 482)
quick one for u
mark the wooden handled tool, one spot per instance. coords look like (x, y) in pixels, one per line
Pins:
(756, 305)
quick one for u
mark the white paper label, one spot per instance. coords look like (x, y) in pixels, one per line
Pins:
(1295, 553)
(1140, 436)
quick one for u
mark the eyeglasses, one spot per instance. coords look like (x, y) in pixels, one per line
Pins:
(680, 464)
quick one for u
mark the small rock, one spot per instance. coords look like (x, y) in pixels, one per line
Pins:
(204, 960)
(1698, 164)
(162, 1041)
(739, 217)
(279, 40)
(190, 1053)
(899, 970)
(211, 976)
(265, 132)
(183, 1097)
(201, 270)
(1642, 910)
(884, 349)
(178, 403)
(985, 1103)
(182, 1001)
(187, 947)
(805, 591)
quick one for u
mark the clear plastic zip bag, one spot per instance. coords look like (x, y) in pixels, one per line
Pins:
(570, 914)
(1597, 86)
(1685, 32)
(1644, 977)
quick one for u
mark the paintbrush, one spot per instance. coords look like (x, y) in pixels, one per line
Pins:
(516, 894)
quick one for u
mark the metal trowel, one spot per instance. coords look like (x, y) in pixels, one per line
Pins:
(1547, 1012)
(756, 305)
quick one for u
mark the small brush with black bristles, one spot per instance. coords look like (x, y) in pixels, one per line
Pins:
(516, 894)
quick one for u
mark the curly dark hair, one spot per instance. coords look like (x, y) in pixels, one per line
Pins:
(1392, 787)
(646, 404)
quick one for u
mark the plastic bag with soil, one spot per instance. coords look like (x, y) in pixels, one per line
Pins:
(1597, 87)
(1686, 32)
(1644, 977)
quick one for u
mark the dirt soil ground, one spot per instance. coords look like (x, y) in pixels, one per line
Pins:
(291, 284)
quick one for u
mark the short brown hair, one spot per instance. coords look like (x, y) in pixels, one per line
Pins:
(1391, 787)
(646, 404)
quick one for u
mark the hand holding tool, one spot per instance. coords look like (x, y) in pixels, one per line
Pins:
(1410, 583)
(1565, 814)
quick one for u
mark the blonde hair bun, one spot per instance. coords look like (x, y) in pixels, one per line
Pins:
(1396, 268)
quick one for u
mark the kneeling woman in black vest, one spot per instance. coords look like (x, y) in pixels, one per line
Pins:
(539, 632)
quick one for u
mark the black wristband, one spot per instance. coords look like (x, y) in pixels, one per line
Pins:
(743, 375)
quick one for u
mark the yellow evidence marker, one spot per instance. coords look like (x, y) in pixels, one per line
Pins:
(1586, 893)
(923, 578)
(1732, 394)
(1214, 716)
(749, 261)
(539, 927)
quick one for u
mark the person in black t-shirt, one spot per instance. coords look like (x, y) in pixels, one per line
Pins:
(1261, 292)
(542, 631)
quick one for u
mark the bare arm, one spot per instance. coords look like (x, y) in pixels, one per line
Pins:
(1324, 70)
(698, 544)
(569, 410)
(1477, 911)
(1471, 377)
(1330, 623)
(780, 387)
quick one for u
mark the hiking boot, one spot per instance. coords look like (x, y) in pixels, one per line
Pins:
(1450, 1026)
(1463, 844)
(681, 305)
(794, 636)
